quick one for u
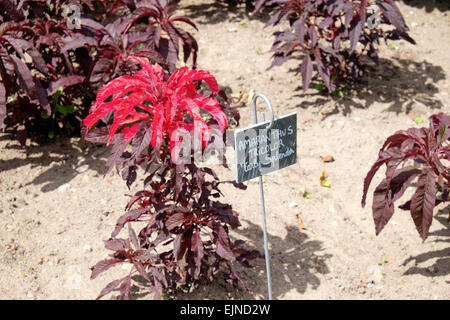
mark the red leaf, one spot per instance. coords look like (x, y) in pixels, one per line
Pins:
(163, 105)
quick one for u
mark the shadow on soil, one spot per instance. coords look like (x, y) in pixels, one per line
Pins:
(400, 83)
(441, 265)
(63, 160)
(218, 12)
(429, 5)
(296, 264)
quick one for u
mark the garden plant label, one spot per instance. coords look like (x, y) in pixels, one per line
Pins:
(260, 150)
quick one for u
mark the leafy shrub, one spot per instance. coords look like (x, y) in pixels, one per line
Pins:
(333, 35)
(427, 149)
(183, 240)
(43, 51)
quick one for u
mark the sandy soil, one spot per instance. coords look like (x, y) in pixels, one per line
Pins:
(56, 207)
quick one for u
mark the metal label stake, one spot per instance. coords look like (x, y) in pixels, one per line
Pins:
(261, 189)
(262, 148)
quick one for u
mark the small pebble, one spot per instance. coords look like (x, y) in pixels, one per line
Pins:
(87, 248)
(292, 204)
(86, 179)
(332, 209)
(64, 187)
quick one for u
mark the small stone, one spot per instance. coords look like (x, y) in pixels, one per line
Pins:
(103, 201)
(86, 179)
(292, 204)
(64, 187)
(331, 208)
(40, 261)
(22, 275)
(432, 269)
(340, 122)
(374, 276)
(233, 29)
(87, 248)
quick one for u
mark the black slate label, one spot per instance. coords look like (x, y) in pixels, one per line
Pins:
(260, 150)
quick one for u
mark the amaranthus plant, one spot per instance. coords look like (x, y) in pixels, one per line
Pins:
(425, 154)
(184, 230)
(46, 48)
(333, 35)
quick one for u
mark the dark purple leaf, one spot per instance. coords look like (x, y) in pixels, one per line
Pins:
(141, 269)
(117, 244)
(383, 206)
(133, 237)
(306, 70)
(129, 216)
(103, 265)
(423, 202)
(97, 135)
(175, 220)
(64, 82)
(198, 250)
(2, 105)
(119, 145)
(355, 32)
(110, 287)
(125, 288)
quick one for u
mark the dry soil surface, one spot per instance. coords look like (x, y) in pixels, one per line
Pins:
(56, 207)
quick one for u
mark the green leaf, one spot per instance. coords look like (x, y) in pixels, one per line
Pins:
(418, 120)
(392, 46)
(319, 86)
(65, 109)
(44, 115)
(57, 94)
(51, 135)
(338, 91)
(305, 193)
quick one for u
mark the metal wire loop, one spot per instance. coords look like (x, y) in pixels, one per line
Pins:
(255, 115)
